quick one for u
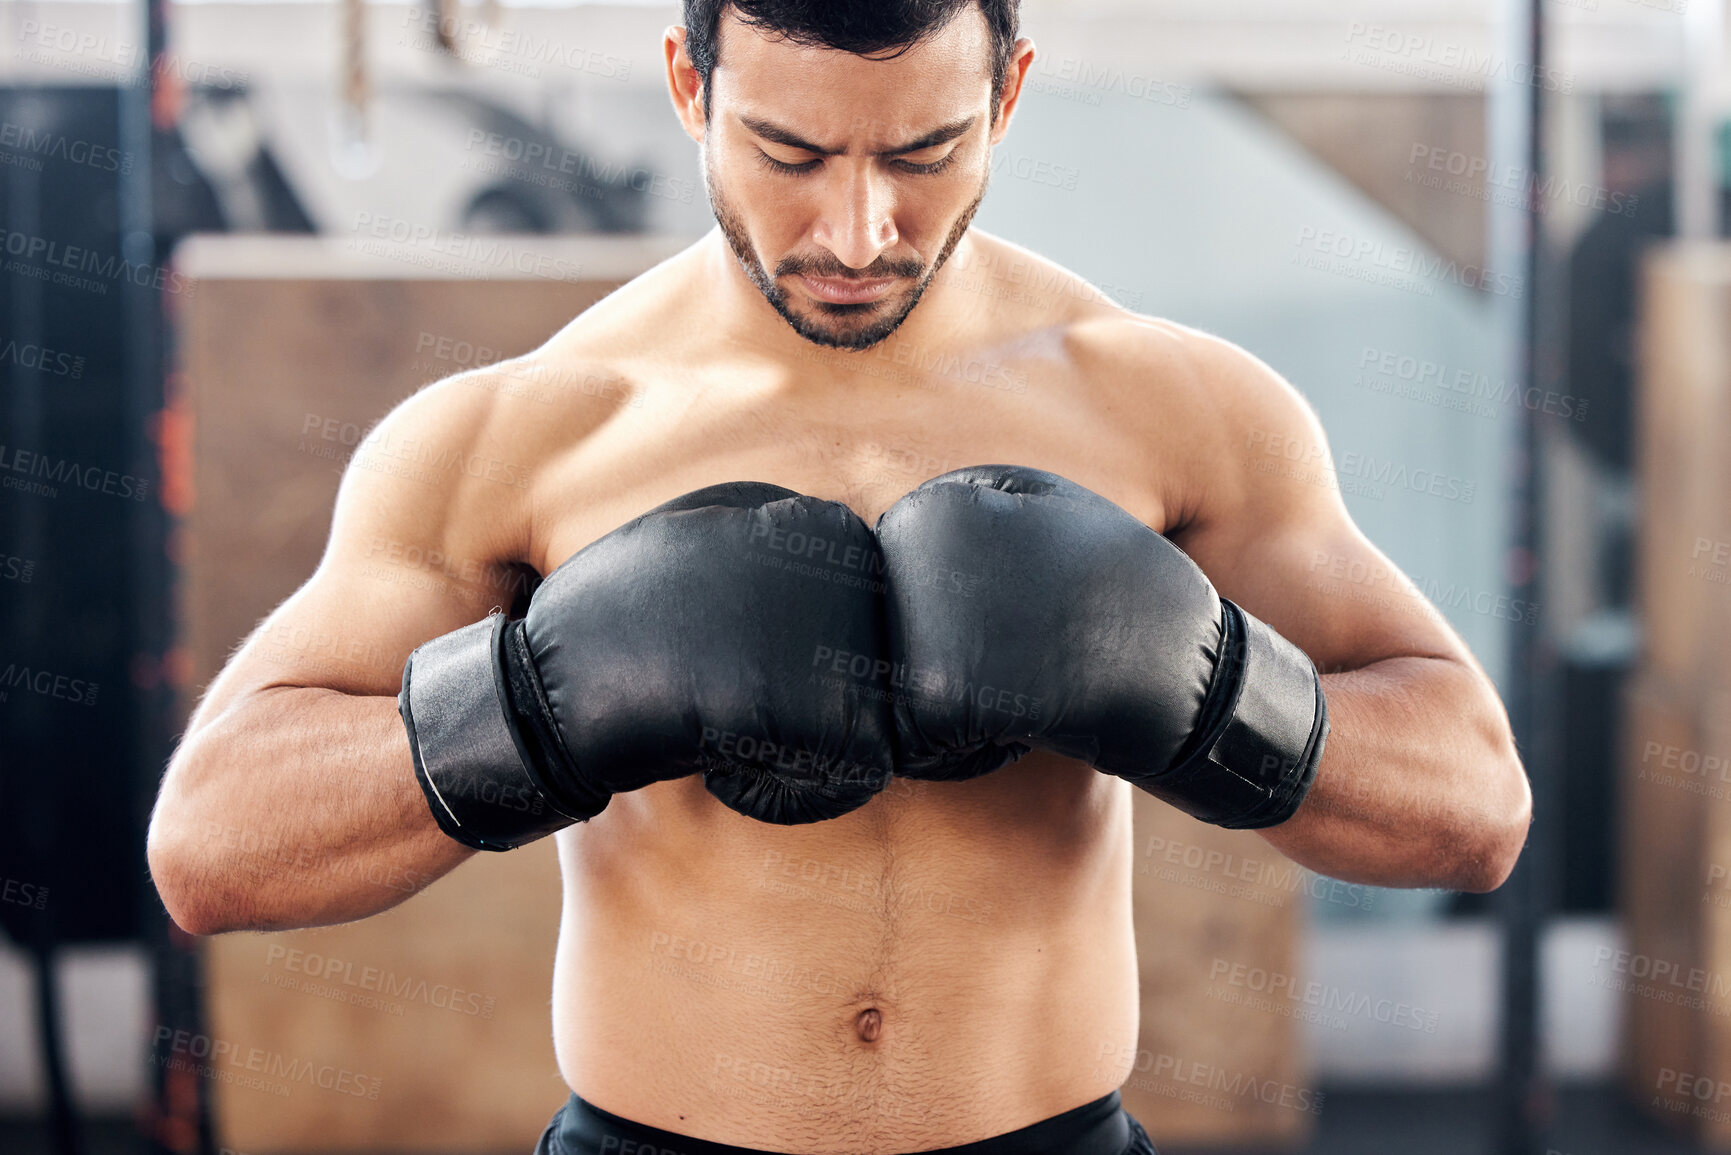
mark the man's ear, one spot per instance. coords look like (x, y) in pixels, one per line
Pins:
(1014, 77)
(684, 85)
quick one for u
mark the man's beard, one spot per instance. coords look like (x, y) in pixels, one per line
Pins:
(811, 327)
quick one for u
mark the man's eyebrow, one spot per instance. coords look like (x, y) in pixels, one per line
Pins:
(943, 134)
(776, 134)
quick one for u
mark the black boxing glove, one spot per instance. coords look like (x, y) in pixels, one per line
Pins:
(1026, 611)
(680, 643)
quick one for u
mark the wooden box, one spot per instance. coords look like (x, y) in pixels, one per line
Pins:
(1674, 976)
(1683, 435)
(431, 1020)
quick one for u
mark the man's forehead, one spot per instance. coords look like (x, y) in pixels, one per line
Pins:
(956, 56)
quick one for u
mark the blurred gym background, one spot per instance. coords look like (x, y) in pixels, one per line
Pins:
(1480, 236)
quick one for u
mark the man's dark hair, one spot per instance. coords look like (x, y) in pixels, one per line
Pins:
(883, 29)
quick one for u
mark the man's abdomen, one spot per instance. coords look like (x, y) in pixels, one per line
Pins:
(946, 964)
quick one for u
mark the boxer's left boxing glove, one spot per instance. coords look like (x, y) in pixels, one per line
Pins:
(681, 643)
(1026, 611)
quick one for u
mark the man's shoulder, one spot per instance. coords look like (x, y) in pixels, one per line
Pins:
(576, 379)
(1204, 374)
(1101, 330)
(480, 436)
(1213, 414)
(461, 463)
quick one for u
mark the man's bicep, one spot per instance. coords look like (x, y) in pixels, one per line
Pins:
(1324, 586)
(354, 623)
(1275, 535)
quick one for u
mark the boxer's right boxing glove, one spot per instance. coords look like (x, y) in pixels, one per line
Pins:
(1029, 612)
(681, 643)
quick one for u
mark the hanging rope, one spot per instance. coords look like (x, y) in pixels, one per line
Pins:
(355, 80)
(450, 14)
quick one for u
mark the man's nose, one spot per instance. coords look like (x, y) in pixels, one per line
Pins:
(858, 219)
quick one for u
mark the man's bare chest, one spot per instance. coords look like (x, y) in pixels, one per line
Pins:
(863, 441)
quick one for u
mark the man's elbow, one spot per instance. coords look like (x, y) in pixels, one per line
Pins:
(168, 872)
(188, 867)
(1498, 834)
(179, 875)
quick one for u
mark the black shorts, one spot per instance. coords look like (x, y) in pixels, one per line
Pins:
(1102, 1127)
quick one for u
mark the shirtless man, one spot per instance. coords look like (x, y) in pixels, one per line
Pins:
(812, 342)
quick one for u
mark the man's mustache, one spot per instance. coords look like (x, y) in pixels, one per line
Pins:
(801, 266)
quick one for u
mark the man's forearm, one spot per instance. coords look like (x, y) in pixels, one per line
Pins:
(294, 807)
(1419, 784)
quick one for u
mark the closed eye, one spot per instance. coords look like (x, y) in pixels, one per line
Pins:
(917, 168)
(783, 166)
(929, 167)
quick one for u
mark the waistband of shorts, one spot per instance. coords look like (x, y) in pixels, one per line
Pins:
(581, 1128)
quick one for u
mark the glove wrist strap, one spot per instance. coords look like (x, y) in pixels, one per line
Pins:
(469, 759)
(1262, 733)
